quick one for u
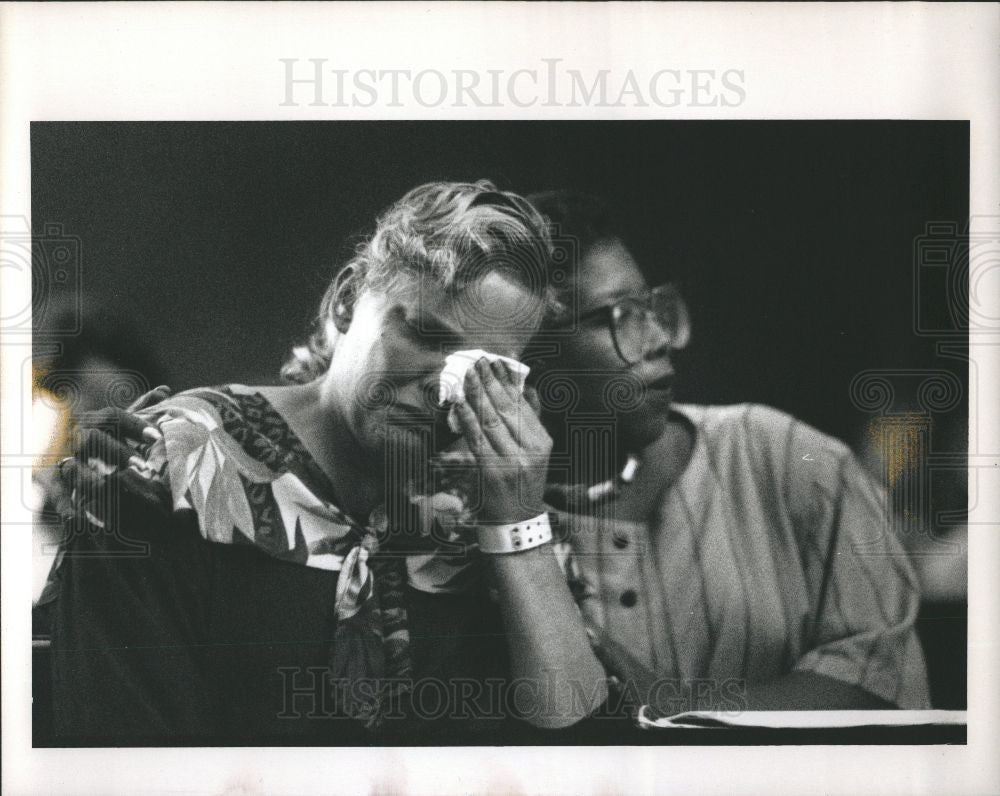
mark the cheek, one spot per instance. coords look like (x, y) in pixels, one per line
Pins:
(589, 351)
(375, 348)
(391, 371)
(597, 340)
(360, 370)
(577, 379)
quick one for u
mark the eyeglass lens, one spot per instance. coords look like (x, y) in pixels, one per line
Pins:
(633, 323)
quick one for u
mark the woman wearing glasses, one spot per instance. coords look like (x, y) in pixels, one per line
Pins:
(724, 557)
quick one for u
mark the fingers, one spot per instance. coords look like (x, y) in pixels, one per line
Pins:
(531, 396)
(91, 444)
(505, 376)
(489, 446)
(526, 426)
(507, 419)
(101, 443)
(469, 425)
(87, 487)
(121, 424)
(490, 404)
(79, 480)
(522, 411)
(491, 420)
(136, 428)
(150, 398)
(68, 471)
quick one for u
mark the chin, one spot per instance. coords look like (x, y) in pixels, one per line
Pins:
(642, 427)
(383, 432)
(400, 453)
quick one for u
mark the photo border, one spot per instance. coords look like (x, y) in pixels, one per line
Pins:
(202, 61)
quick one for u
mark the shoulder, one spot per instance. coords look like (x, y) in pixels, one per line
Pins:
(745, 438)
(209, 406)
(231, 413)
(763, 428)
(208, 430)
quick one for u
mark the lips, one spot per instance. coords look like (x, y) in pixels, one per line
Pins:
(406, 415)
(660, 392)
(412, 412)
(664, 383)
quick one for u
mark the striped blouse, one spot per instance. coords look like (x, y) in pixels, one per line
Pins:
(772, 552)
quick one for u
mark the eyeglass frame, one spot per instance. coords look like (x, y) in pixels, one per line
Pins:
(613, 313)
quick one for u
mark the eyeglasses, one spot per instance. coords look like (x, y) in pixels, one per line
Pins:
(635, 321)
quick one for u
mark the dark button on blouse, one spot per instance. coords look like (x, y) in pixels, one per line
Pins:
(629, 598)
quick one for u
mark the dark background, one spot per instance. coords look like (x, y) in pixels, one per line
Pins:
(792, 241)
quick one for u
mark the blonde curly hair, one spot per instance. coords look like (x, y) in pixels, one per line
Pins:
(450, 232)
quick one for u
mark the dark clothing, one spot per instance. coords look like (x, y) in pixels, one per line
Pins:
(220, 644)
(198, 604)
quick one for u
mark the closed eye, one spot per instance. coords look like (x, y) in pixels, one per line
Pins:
(427, 330)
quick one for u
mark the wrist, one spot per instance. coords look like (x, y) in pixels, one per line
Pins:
(515, 537)
(502, 514)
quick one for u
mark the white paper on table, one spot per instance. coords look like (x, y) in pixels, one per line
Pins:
(802, 719)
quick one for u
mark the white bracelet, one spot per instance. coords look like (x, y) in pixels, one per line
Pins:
(513, 538)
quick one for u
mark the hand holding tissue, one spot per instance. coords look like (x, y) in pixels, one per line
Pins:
(452, 380)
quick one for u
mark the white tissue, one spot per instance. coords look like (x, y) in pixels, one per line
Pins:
(452, 381)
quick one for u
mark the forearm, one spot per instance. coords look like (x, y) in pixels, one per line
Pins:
(558, 679)
(548, 644)
(809, 691)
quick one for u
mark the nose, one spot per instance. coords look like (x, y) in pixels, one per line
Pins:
(658, 339)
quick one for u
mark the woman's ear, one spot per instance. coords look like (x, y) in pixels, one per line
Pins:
(344, 296)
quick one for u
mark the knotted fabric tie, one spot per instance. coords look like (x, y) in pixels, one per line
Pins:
(370, 665)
